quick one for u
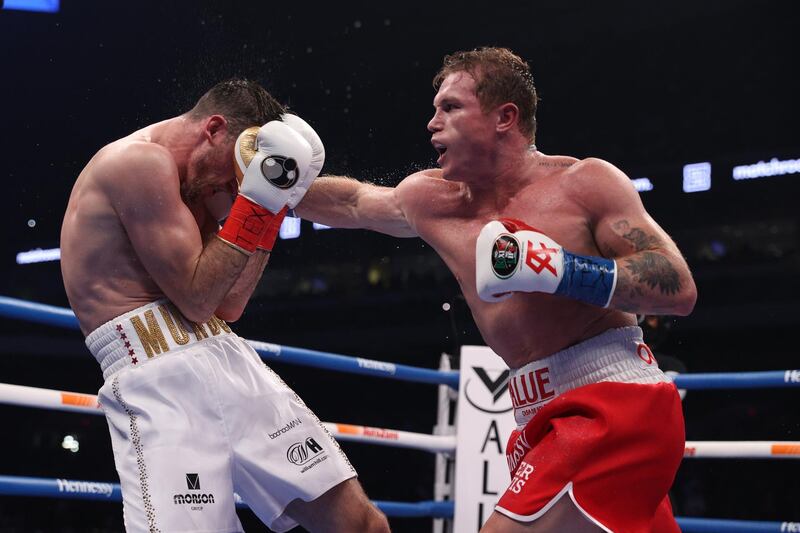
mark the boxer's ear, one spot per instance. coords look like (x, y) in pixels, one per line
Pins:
(507, 117)
(215, 129)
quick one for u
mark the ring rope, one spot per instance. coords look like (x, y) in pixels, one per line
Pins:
(65, 318)
(24, 396)
(104, 491)
(393, 437)
(111, 492)
(87, 403)
(71, 401)
(738, 380)
(711, 525)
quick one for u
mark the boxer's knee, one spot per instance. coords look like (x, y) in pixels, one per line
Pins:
(344, 508)
(374, 521)
(563, 517)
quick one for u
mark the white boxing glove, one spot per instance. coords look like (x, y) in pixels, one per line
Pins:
(273, 162)
(317, 152)
(512, 257)
(279, 168)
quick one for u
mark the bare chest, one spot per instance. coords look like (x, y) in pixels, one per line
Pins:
(452, 229)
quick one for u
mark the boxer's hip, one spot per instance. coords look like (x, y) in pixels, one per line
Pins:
(617, 355)
(147, 332)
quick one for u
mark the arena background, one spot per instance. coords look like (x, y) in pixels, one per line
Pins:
(649, 86)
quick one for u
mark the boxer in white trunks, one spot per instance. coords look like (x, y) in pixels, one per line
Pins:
(557, 303)
(193, 412)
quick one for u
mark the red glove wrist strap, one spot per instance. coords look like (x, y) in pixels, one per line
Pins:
(247, 224)
(268, 237)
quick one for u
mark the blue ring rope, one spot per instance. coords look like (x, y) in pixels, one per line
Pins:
(112, 492)
(739, 380)
(65, 318)
(708, 525)
(92, 490)
(51, 315)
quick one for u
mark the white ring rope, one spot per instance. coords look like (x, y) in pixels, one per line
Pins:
(393, 437)
(87, 403)
(49, 399)
(753, 449)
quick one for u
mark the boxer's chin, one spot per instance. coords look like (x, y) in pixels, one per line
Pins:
(195, 188)
(190, 192)
(199, 179)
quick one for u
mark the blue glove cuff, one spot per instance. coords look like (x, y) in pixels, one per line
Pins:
(588, 279)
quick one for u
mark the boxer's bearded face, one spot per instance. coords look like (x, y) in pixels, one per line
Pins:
(210, 170)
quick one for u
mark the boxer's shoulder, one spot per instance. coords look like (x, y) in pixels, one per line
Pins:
(124, 162)
(592, 173)
(589, 182)
(427, 182)
(131, 155)
(430, 177)
(427, 193)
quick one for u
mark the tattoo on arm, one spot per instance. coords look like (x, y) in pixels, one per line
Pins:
(607, 250)
(645, 266)
(636, 236)
(559, 164)
(655, 270)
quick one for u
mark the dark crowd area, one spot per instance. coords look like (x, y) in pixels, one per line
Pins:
(648, 87)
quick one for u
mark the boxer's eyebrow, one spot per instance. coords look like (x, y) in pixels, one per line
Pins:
(447, 101)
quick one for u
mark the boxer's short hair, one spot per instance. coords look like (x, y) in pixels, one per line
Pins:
(243, 103)
(500, 76)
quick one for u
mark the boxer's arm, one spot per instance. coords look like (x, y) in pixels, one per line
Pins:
(232, 306)
(344, 202)
(652, 275)
(143, 185)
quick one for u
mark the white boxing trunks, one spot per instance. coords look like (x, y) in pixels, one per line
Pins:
(194, 415)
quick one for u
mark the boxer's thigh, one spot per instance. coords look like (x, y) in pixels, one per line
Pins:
(169, 449)
(281, 450)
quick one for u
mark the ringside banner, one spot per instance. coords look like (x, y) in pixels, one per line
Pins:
(484, 423)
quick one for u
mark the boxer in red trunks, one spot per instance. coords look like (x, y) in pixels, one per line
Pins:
(554, 256)
(599, 422)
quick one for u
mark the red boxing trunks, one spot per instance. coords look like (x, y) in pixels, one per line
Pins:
(599, 422)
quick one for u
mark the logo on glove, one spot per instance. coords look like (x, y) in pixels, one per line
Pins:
(280, 171)
(505, 256)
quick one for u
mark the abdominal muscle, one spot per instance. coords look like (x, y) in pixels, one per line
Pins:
(531, 326)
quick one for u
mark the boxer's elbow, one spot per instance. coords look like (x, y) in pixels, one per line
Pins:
(686, 298)
(229, 313)
(195, 310)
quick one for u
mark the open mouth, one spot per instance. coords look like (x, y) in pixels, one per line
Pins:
(440, 149)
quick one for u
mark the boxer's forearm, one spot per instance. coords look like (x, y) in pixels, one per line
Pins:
(343, 202)
(654, 282)
(214, 273)
(333, 201)
(232, 306)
